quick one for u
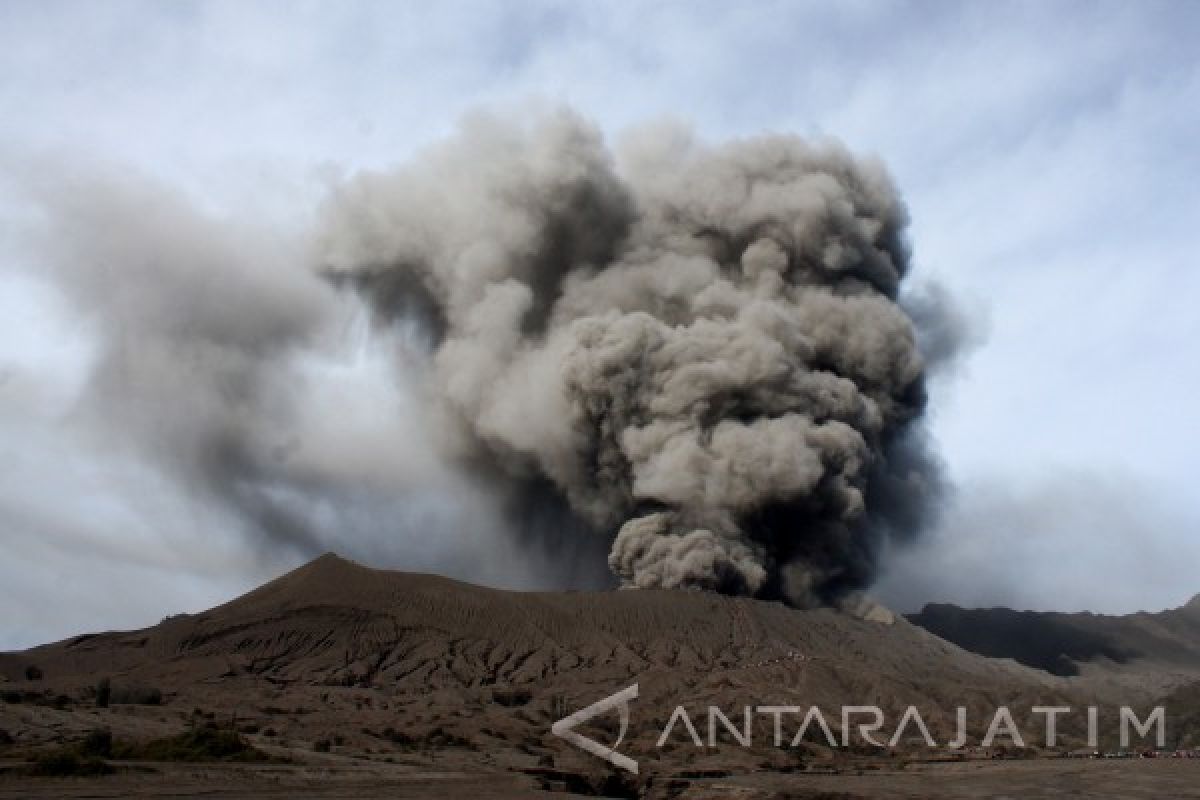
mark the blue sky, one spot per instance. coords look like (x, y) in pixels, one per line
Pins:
(1047, 151)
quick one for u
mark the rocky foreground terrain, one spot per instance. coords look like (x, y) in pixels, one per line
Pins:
(338, 680)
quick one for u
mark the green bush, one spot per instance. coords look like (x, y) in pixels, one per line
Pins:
(98, 743)
(198, 744)
(438, 738)
(64, 763)
(136, 696)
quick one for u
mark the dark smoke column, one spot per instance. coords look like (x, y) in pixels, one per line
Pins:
(700, 348)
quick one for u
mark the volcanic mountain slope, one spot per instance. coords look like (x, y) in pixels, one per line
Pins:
(387, 663)
(336, 623)
(1160, 650)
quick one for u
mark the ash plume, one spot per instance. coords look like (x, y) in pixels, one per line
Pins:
(700, 350)
(232, 400)
(665, 364)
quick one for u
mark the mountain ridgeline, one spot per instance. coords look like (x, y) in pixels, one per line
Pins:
(1063, 644)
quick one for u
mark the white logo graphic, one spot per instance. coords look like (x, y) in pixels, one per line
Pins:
(565, 728)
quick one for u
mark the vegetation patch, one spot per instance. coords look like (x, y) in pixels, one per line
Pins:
(66, 764)
(198, 744)
(436, 739)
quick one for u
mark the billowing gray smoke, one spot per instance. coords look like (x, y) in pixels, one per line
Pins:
(700, 349)
(692, 362)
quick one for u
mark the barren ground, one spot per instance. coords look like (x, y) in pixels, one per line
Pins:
(363, 683)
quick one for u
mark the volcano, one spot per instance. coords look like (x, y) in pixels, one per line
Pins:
(383, 677)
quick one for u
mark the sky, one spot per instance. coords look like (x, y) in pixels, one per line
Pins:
(1047, 152)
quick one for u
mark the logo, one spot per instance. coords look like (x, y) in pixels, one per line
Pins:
(1003, 724)
(565, 728)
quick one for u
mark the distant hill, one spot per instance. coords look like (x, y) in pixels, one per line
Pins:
(1165, 644)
